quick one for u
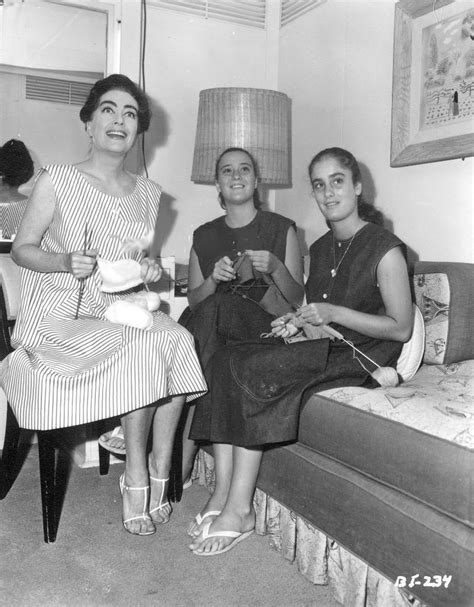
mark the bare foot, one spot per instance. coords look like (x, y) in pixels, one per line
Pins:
(114, 441)
(225, 523)
(160, 508)
(136, 518)
(214, 505)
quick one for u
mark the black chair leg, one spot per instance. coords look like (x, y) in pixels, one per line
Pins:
(47, 466)
(104, 461)
(175, 485)
(104, 455)
(50, 498)
(8, 463)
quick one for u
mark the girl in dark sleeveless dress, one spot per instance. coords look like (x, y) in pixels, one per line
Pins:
(267, 245)
(358, 284)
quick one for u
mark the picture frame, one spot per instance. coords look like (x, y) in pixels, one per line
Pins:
(425, 125)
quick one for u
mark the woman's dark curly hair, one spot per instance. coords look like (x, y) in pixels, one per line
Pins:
(121, 83)
(367, 212)
(257, 203)
(16, 164)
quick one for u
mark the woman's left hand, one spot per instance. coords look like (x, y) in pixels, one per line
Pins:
(263, 261)
(316, 314)
(150, 270)
(285, 326)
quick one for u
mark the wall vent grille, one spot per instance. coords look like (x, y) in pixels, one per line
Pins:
(56, 90)
(292, 9)
(244, 12)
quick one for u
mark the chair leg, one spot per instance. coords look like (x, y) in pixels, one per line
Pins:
(104, 461)
(175, 485)
(8, 463)
(47, 465)
(104, 455)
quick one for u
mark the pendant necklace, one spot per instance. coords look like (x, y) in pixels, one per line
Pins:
(336, 266)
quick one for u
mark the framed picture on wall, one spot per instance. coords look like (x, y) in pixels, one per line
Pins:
(433, 82)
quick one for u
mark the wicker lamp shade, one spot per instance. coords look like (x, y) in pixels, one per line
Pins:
(255, 119)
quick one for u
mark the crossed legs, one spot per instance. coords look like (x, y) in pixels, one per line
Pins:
(236, 470)
(139, 468)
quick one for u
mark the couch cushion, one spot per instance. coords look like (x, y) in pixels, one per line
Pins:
(444, 294)
(395, 534)
(417, 437)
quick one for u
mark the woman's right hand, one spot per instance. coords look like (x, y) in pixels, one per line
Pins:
(285, 326)
(223, 270)
(81, 265)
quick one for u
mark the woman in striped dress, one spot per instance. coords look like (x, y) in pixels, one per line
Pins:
(71, 365)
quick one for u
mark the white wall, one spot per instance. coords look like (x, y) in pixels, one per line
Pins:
(49, 36)
(185, 55)
(52, 132)
(336, 65)
(53, 41)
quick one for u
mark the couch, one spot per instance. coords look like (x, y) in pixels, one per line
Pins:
(375, 498)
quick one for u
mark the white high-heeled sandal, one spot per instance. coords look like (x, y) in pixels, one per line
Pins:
(161, 504)
(143, 517)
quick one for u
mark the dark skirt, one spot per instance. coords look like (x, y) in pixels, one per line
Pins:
(256, 389)
(224, 319)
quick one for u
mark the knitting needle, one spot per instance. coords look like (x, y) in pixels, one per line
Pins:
(338, 335)
(81, 287)
(385, 376)
(330, 331)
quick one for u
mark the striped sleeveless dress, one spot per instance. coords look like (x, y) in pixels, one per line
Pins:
(66, 371)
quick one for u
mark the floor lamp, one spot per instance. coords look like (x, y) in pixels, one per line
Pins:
(255, 119)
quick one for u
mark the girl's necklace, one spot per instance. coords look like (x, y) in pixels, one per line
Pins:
(336, 267)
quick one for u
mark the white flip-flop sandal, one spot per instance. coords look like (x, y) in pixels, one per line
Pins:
(188, 483)
(236, 537)
(104, 439)
(199, 519)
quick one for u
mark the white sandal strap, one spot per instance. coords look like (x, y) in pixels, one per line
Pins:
(199, 518)
(161, 504)
(206, 534)
(117, 432)
(146, 490)
(127, 488)
(136, 518)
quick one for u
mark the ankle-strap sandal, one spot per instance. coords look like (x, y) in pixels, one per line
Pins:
(145, 517)
(164, 507)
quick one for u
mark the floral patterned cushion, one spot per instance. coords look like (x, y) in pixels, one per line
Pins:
(439, 401)
(444, 294)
